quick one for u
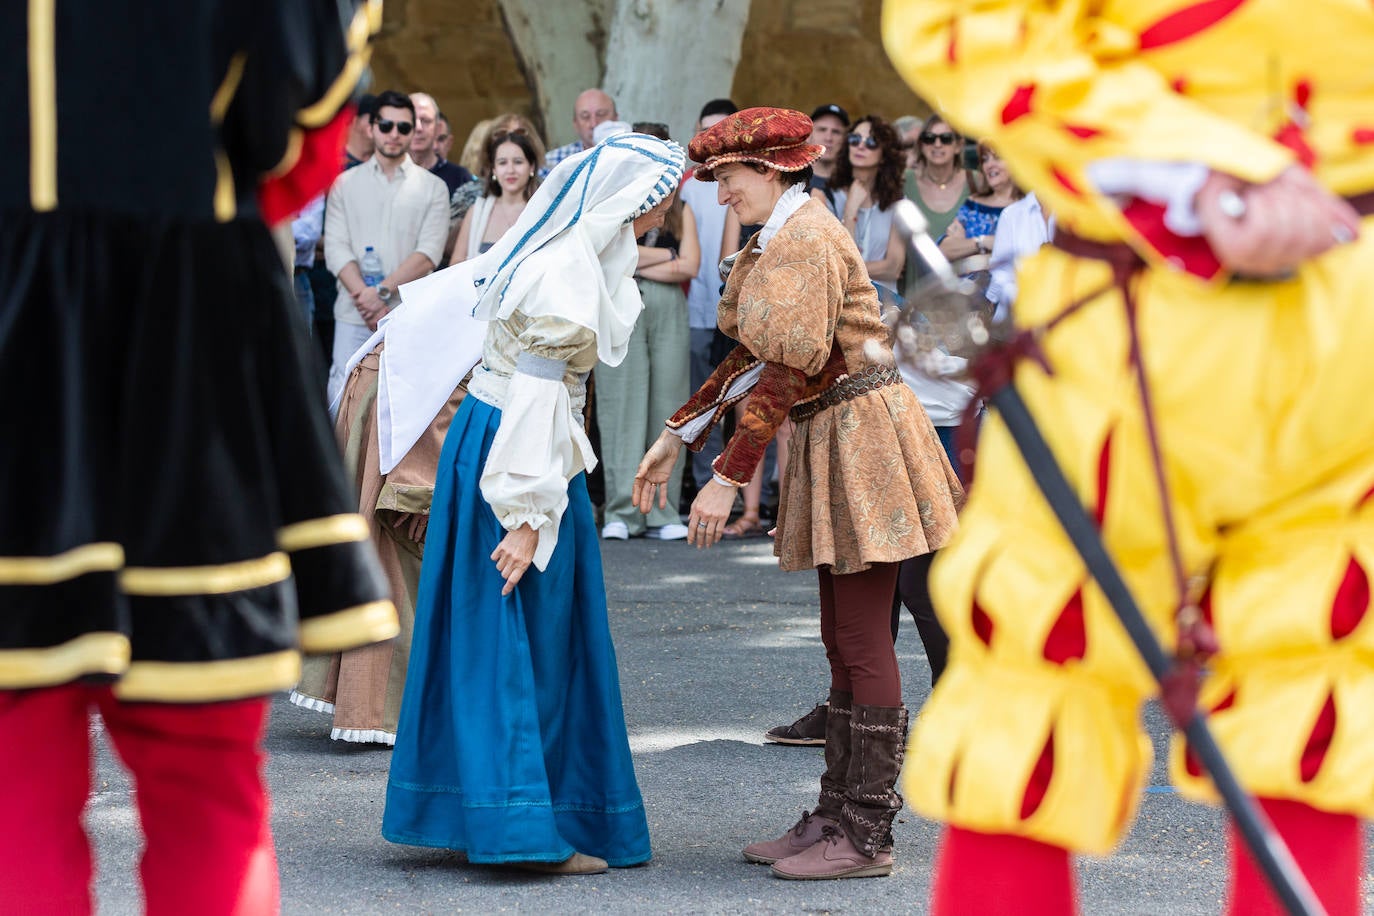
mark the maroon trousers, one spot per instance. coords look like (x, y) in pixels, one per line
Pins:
(197, 773)
(856, 627)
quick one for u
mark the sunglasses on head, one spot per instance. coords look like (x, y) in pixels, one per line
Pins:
(501, 136)
(385, 126)
(946, 139)
(857, 139)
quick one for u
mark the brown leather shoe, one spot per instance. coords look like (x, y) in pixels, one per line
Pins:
(808, 731)
(833, 856)
(576, 864)
(807, 831)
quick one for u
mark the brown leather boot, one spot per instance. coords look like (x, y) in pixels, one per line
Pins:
(839, 749)
(872, 800)
(827, 814)
(862, 845)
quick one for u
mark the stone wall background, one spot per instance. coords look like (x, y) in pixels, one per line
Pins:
(795, 53)
(458, 52)
(804, 53)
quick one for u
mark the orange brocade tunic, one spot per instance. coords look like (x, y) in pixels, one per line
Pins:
(868, 481)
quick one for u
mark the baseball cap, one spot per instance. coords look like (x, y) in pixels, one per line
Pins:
(831, 109)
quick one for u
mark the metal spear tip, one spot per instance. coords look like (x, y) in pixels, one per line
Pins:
(910, 220)
(915, 231)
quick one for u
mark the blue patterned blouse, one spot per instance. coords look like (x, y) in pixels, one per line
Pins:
(978, 219)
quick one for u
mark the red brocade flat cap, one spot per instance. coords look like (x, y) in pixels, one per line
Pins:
(779, 138)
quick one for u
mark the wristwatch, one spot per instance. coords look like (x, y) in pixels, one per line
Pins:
(384, 293)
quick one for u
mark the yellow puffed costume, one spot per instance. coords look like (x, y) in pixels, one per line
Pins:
(1261, 395)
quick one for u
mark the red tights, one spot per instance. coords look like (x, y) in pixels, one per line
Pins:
(993, 874)
(197, 774)
(856, 627)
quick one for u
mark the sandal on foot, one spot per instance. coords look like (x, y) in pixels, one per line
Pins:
(746, 526)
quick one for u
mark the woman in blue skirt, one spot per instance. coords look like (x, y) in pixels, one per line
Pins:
(511, 744)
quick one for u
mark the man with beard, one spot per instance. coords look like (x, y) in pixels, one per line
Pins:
(393, 206)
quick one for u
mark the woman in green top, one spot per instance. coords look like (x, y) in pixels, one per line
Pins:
(939, 183)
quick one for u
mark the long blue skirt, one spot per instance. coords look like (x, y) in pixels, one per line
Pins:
(511, 744)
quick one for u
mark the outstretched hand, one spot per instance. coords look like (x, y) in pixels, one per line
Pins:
(651, 479)
(1267, 230)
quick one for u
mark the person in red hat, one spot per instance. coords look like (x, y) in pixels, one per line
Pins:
(868, 484)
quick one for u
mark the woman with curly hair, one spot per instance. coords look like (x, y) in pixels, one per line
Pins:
(867, 182)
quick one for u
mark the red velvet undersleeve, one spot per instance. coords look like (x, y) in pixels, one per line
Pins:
(710, 396)
(778, 388)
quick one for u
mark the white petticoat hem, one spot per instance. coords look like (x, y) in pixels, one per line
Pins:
(318, 705)
(364, 736)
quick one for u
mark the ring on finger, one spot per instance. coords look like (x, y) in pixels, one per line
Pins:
(1231, 204)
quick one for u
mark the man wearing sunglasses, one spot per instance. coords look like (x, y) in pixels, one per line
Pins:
(393, 206)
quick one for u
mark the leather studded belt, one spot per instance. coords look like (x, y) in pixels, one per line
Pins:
(847, 389)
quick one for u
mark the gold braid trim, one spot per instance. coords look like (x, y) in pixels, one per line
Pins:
(366, 23)
(204, 682)
(355, 626)
(89, 653)
(70, 564)
(323, 532)
(218, 579)
(43, 104)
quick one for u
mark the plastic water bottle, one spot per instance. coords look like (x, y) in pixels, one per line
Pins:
(371, 266)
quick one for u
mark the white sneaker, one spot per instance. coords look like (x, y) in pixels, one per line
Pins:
(668, 533)
(615, 531)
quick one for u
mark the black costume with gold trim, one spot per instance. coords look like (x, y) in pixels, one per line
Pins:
(172, 514)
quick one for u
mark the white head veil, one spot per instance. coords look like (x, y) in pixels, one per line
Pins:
(571, 254)
(572, 251)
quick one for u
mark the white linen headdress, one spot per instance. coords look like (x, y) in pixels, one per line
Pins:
(571, 254)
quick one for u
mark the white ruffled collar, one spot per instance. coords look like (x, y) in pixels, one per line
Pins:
(790, 202)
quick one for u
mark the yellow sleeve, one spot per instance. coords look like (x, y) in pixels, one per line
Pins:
(1055, 86)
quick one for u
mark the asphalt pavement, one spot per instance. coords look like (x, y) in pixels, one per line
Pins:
(715, 647)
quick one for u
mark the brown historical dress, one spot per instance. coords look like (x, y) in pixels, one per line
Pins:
(868, 481)
(362, 688)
